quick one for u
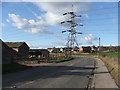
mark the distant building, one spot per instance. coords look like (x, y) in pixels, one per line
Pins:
(108, 48)
(21, 47)
(76, 50)
(54, 50)
(73, 50)
(85, 49)
(39, 53)
(62, 50)
(8, 54)
(94, 49)
(50, 50)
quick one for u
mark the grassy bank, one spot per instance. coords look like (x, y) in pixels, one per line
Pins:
(14, 67)
(110, 54)
(59, 60)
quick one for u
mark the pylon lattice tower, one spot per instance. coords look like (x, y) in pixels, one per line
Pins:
(72, 41)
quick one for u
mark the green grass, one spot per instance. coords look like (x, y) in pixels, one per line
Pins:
(113, 54)
(7, 68)
(57, 61)
(84, 54)
(110, 54)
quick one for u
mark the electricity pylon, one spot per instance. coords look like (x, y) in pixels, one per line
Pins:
(72, 41)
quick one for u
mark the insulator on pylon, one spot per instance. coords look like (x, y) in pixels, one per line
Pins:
(63, 31)
(69, 21)
(64, 13)
(69, 30)
(79, 33)
(62, 22)
(79, 16)
(71, 13)
(81, 25)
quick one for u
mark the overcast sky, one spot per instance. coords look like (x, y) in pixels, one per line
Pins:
(38, 24)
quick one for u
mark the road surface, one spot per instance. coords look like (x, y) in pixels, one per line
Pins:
(70, 74)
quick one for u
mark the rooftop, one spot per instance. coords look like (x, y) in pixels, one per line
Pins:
(14, 44)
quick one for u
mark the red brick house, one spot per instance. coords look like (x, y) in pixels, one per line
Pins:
(85, 49)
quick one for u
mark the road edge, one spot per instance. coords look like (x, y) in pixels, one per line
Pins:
(97, 75)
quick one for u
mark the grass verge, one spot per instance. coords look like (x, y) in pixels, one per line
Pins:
(110, 54)
(58, 60)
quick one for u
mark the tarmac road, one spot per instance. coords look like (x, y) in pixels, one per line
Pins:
(70, 74)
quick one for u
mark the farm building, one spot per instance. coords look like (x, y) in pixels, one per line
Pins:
(21, 47)
(39, 53)
(8, 54)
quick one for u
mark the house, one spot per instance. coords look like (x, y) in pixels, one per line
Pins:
(21, 47)
(85, 49)
(70, 49)
(8, 54)
(45, 53)
(65, 49)
(75, 50)
(50, 50)
(62, 50)
(94, 49)
(108, 48)
(54, 50)
(39, 53)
